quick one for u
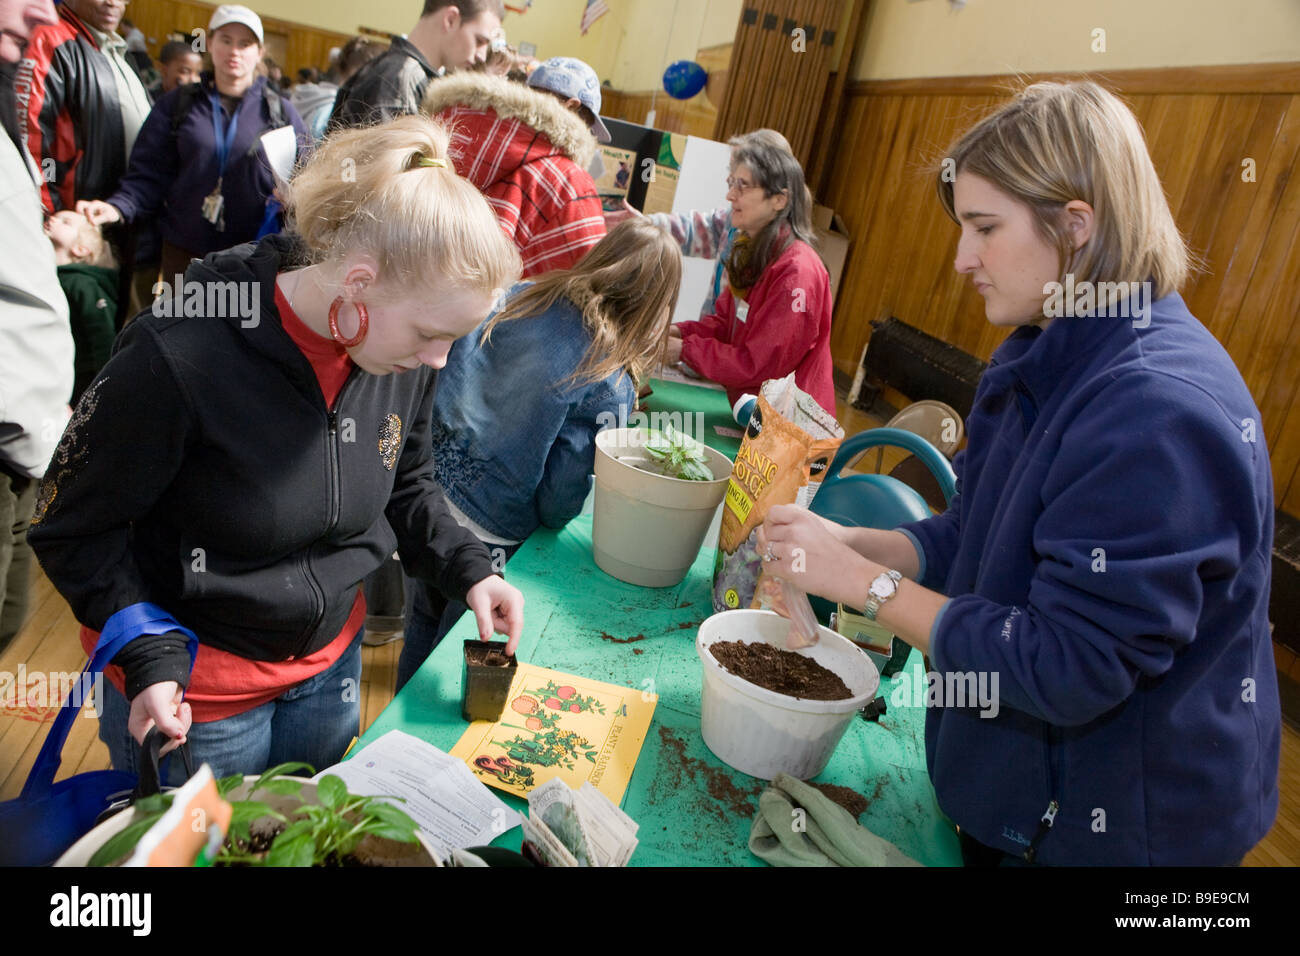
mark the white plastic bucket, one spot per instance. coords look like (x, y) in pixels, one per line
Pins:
(647, 529)
(763, 733)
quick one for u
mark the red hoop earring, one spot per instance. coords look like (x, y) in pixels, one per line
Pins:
(363, 318)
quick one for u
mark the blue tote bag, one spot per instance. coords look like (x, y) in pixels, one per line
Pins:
(48, 817)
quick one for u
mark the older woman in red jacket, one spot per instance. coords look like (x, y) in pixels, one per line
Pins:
(774, 317)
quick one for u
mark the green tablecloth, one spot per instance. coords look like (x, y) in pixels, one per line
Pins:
(692, 808)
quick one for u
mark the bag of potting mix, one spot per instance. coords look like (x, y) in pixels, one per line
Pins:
(788, 445)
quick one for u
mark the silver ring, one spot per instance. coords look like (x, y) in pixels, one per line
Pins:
(769, 555)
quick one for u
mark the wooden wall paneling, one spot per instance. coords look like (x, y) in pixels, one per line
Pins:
(1230, 225)
(808, 67)
(791, 70)
(808, 79)
(1214, 192)
(817, 85)
(305, 45)
(1280, 404)
(1267, 357)
(1248, 233)
(1257, 334)
(770, 85)
(856, 179)
(948, 304)
(769, 73)
(741, 78)
(1233, 78)
(1190, 142)
(827, 135)
(1277, 161)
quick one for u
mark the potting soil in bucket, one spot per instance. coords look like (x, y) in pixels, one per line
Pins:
(647, 528)
(761, 732)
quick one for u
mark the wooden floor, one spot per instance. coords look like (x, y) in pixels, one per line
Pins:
(48, 644)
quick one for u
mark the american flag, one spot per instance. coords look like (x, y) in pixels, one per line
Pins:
(595, 10)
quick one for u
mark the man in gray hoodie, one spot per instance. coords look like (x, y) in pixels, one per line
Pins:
(35, 340)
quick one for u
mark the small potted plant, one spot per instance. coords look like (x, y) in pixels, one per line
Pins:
(656, 494)
(485, 680)
(278, 820)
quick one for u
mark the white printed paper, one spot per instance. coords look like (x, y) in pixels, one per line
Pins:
(444, 798)
(281, 148)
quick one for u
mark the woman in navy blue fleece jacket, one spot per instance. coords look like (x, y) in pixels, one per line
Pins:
(179, 165)
(1106, 560)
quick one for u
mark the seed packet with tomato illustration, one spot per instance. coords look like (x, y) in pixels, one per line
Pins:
(562, 726)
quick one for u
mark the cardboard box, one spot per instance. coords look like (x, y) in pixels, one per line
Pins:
(833, 244)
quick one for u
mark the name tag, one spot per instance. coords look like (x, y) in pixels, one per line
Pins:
(742, 310)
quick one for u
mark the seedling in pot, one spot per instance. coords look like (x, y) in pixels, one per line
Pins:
(318, 834)
(675, 454)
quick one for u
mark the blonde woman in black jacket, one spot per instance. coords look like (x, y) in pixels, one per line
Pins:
(233, 473)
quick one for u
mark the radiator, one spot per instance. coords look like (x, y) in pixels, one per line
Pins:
(916, 364)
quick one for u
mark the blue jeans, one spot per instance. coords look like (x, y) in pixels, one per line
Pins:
(429, 616)
(313, 722)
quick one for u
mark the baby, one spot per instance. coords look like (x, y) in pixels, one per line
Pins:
(88, 273)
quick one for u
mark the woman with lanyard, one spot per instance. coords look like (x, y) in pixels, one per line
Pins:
(199, 156)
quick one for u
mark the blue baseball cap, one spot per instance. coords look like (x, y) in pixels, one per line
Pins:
(575, 80)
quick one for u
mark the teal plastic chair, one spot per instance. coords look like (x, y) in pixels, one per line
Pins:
(877, 501)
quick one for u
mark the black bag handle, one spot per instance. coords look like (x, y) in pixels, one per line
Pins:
(150, 776)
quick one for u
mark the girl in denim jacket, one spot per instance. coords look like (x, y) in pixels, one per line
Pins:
(521, 398)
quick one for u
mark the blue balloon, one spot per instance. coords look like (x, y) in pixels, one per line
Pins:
(685, 79)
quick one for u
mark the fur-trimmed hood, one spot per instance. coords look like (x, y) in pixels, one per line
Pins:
(539, 111)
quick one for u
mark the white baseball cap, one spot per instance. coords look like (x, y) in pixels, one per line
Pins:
(229, 13)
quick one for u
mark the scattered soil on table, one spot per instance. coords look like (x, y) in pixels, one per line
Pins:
(689, 625)
(847, 798)
(784, 672)
(684, 604)
(682, 774)
(621, 640)
(638, 650)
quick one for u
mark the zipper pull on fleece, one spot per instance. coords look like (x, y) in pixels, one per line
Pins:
(1044, 825)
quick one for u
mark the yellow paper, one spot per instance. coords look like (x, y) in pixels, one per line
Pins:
(660, 191)
(559, 725)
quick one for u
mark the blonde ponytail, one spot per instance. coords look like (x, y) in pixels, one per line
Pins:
(391, 191)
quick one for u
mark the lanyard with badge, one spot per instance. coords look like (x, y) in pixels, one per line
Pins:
(214, 205)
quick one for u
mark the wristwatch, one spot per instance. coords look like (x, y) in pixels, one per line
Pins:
(884, 587)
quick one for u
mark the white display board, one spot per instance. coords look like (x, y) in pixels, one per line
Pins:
(702, 186)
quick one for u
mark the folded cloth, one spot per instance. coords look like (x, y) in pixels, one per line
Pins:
(823, 834)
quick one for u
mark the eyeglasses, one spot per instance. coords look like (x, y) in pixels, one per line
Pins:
(738, 185)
